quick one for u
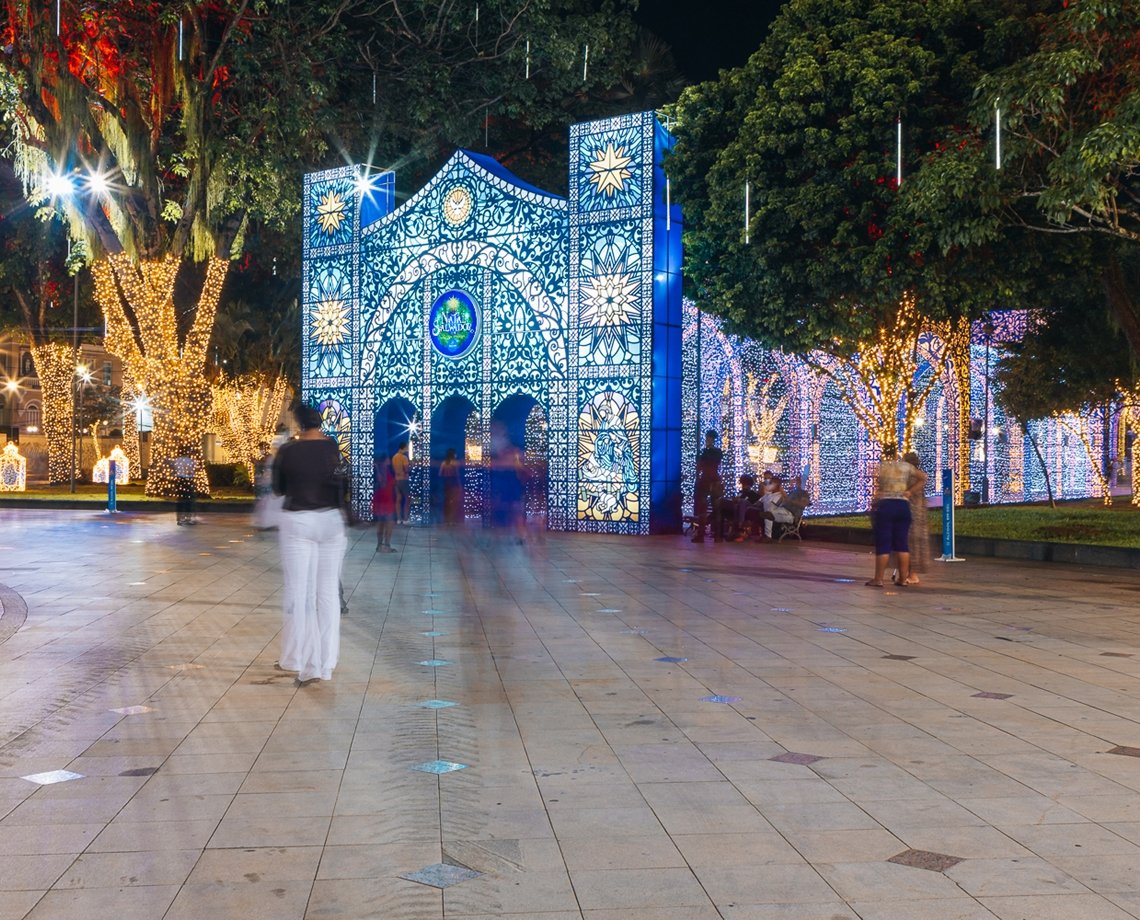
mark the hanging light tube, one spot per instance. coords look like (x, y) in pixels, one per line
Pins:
(585, 63)
(997, 125)
(747, 212)
(898, 153)
(528, 58)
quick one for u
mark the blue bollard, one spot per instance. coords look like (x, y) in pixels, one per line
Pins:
(111, 488)
(948, 518)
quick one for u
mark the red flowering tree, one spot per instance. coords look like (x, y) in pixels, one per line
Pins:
(159, 129)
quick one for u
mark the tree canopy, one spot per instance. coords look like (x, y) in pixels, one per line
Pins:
(1069, 111)
(809, 126)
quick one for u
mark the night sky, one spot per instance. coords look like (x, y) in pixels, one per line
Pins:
(708, 35)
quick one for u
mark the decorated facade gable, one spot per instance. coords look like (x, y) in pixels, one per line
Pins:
(487, 316)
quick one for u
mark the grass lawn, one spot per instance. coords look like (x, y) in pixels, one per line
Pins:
(132, 492)
(1086, 521)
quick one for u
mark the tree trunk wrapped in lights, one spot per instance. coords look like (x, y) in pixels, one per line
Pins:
(130, 397)
(763, 415)
(1130, 416)
(55, 367)
(142, 329)
(247, 410)
(879, 379)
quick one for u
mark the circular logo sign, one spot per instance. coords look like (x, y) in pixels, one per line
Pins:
(454, 324)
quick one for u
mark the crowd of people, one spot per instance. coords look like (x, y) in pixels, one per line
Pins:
(898, 509)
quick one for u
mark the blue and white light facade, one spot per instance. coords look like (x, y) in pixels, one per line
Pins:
(484, 310)
(730, 383)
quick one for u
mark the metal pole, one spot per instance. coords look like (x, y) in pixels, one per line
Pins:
(74, 372)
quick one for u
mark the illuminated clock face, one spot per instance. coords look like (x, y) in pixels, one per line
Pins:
(457, 205)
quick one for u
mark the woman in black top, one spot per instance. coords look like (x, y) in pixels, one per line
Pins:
(313, 542)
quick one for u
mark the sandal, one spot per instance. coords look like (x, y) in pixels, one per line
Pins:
(873, 584)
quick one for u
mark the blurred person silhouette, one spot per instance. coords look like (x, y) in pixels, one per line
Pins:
(384, 504)
(313, 541)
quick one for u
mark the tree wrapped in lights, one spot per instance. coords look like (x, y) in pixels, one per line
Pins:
(35, 294)
(161, 130)
(247, 410)
(878, 378)
(763, 416)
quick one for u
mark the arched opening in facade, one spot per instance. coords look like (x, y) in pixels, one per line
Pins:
(449, 428)
(508, 467)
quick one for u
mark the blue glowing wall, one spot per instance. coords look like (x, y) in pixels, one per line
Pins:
(485, 311)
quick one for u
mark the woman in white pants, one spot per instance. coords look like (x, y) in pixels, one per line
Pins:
(313, 542)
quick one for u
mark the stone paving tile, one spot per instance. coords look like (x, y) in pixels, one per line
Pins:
(599, 784)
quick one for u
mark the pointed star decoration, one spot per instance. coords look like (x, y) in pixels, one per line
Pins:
(611, 298)
(331, 212)
(330, 322)
(609, 170)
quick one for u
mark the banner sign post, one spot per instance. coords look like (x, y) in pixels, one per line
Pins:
(948, 518)
(111, 488)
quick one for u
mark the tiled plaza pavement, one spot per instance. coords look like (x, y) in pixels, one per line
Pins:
(647, 728)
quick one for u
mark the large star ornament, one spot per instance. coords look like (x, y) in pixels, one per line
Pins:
(609, 170)
(331, 212)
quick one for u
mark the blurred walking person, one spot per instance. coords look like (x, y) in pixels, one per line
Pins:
(313, 542)
(919, 526)
(384, 504)
(450, 473)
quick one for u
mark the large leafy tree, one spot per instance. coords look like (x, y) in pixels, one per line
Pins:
(1069, 114)
(172, 123)
(789, 170)
(198, 118)
(807, 130)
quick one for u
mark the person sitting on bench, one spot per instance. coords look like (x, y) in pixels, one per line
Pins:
(772, 508)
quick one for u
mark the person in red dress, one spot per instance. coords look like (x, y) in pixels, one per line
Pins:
(384, 504)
